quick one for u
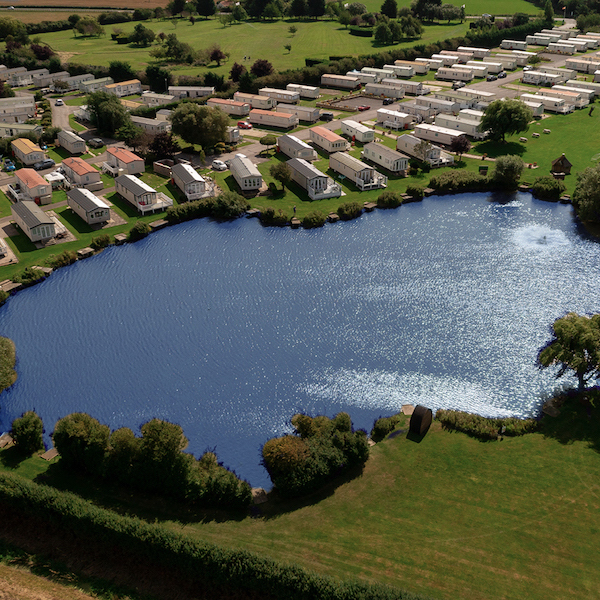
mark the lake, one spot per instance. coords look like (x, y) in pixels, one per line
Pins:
(228, 329)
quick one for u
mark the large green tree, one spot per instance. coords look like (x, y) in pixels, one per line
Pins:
(507, 171)
(575, 346)
(107, 112)
(586, 196)
(206, 8)
(282, 172)
(389, 8)
(506, 117)
(198, 124)
(27, 432)
(121, 70)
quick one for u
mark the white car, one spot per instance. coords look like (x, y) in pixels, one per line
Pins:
(59, 102)
(219, 165)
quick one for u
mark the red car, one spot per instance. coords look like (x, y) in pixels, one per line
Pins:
(244, 125)
(363, 107)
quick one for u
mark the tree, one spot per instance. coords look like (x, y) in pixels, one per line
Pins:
(586, 196)
(229, 205)
(422, 150)
(575, 346)
(107, 112)
(206, 8)
(460, 145)
(356, 8)
(268, 141)
(141, 36)
(548, 12)
(293, 29)
(159, 78)
(288, 47)
(271, 11)
(425, 9)
(239, 13)
(89, 26)
(506, 117)
(261, 68)
(130, 133)
(163, 145)
(383, 34)
(298, 8)
(316, 8)
(237, 71)
(176, 7)
(27, 432)
(389, 8)
(217, 55)
(345, 18)
(198, 124)
(507, 171)
(282, 172)
(121, 70)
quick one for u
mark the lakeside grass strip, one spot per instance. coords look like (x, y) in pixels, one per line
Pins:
(209, 563)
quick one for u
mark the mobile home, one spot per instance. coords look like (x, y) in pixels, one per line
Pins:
(584, 85)
(152, 126)
(451, 74)
(507, 60)
(304, 113)
(562, 48)
(294, 147)
(27, 152)
(477, 52)
(357, 131)
(435, 133)
(577, 99)
(93, 85)
(582, 65)
(345, 82)
(363, 77)
(539, 78)
(88, 206)
(190, 182)
(414, 88)
(446, 106)
(513, 45)
(419, 68)
(246, 174)
(33, 221)
(81, 174)
(255, 101)
(393, 118)
(447, 59)
(461, 124)
(140, 194)
(231, 107)
(400, 70)
(153, 99)
(379, 73)
(382, 89)
(317, 184)
(328, 140)
(287, 96)
(71, 142)
(463, 57)
(124, 88)
(433, 64)
(386, 157)
(190, 91)
(551, 103)
(477, 71)
(418, 111)
(492, 67)
(537, 108)
(564, 73)
(305, 91)
(30, 186)
(272, 119)
(587, 93)
(562, 33)
(359, 173)
(434, 155)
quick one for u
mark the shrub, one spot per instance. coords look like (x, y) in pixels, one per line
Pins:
(3, 297)
(139, 231)
(229, 205)
(102, 241)
(389, 199)
(27, 432)
(68, 257)
(29, 276)
(482, 427)
(349, 210)
(507, 171)
(384, 426)
(272, 216)
(548, 188)
(416, 191)
(455, 181)
(314, 219)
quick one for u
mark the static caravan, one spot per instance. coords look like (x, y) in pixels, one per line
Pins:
(140, 194)
(246, 174)
(231, 107)
(153, 99)
(508, 62)
(564, 73)
(190, 91)
(13, 129)
(480, 98)
(386, 157)
(393, 118)
(452, 74)
(590, 40)
(33, 221)
(460, 124)
(71, 142)
(304, 113)
(542, 40)
(414, 88)
(317, 184)
(81, 174)
(513, 45)
(30, 186)
(88, 206)
(379, 73)
(551, 103)
(479, 72)
(562, 33)
(49, 79)
(434, 155)
(492, 67)
(432, 63)
(359, 173)
(435, 133)
(272, 119)
(255, 101)
(539, 78)
(523, 53)
(363, 77)
(419, 68)
(584, 85)
(446, 106)
(287, 96)
(477, 52)
(357, 131)
(71, 82)
(305, 91)
(27, 152)
(453, 96)
(17, 109)
(597, 76)
(463, 57)
(472, 114)
(326, 139)
(294, 147)
(537, 108)
(588, 94)
(400, 70)
(583, 45)
(577, 99)
(190, 182)
(93, 85)
(382, 89)
(152, 126)
(582, 65)
(447, 59)
(124, 88)
(345, 82)
(418, 111)
(121, 159)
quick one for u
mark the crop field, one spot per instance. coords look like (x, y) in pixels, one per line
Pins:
(37, 16)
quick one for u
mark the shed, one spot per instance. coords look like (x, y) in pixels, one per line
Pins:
(561, 165)
(420, 421)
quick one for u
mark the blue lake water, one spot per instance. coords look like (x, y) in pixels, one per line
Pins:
(230, 328)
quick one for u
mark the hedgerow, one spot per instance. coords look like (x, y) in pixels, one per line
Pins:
(384, 426)
(459, 181)
(349, 210)
(389, 199)
(482, 427)
(548, 188)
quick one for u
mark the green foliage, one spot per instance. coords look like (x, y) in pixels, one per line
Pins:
(548, 188)
(321, 449)
(389, 199)
(416, 191)
(64, 259)
(507, 172)
(198, 124)
(484, 428)
(8, 375)
(458, 181)
(141, 36)
(349, 210)
(88, 26)
(384, 426)
(389, 8)
(101, 241)
(107, 112)
(282, 172)
(314, 219)
(229, 205)
(274, 216)
(575, 346)
(506, 117)
(383, 34)
(586, 196)
(29, 276)
(27, 432)
(139, 231)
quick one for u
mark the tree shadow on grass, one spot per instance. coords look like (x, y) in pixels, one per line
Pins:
(11, 458)
(495, 149)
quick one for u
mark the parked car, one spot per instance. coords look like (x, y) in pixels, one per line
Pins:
(502, 75)
(59, 102)
(9, 166)
(219, 165)
(388, 101)
(527, 68)
(326, 116)
(244, 125)
(363, 107)
(457, 85)
(491, 77)
(95, 143)
(44, 164)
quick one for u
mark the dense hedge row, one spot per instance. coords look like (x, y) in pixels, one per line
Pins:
(202, 562)
(384, 426)
(483, 428)
(227, 205)
(459, 181)
(548, 188)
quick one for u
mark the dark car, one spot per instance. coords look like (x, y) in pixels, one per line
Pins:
(44, 164)
(326, 116)
(457, 85)
(388, 101)
(502, 75)
(95, 143)
(491, 77)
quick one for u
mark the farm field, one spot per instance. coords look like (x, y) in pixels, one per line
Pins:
(37, 16)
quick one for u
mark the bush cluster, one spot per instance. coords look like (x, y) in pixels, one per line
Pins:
(154, 463)
(389, 199)
(459, 181)
(548, 188)
(29, 276)
(101, 241)
(416, 191)
(314, 219)
(482, 427)
(274, 216)
(384, 426)
(139, 231)
(349, 210)
(228, 205)
(321, 449)
(64, 259)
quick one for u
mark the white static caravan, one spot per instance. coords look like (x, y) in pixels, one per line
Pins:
(446, 106)
(385, 157)
(582, 64)
(587, 93)
(451, 74)
(453, 97)
(513, 45)
(363, 77)
(246, 174)
(418, 67)
(152, 126)
(434, 155)
(418, 111)
(414, 88)
(393, 118)
(357, 131)
(562, 48)
(231, 107)
(477, 52)
(463, 57)
(523, 54)
(286, 96)
(294, 147)
(537, 108)
(33, 221)
(88, 206)
(152, 99)
(592, 42)
(539, 78)
(472, 114)
(584, 85)
(379, 73)
(190, 91)
(345, 82)
(400, 70)
(577, 99)
(437, 134)
(328, 140)
(551, 103)
(190, 182)
(564, 34)
(447, 59)
(272, 119)
(305, 91)
(72, 82)
(382, 89)
(255, 101)
(71, 142)
(316, 183)
(460, 124)
(140, 194)
(359, 173)
(304, 113)
(542, 40)
(492, 67)
(508, 61)
(433, 64)
(583, 45)
(478, 72)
